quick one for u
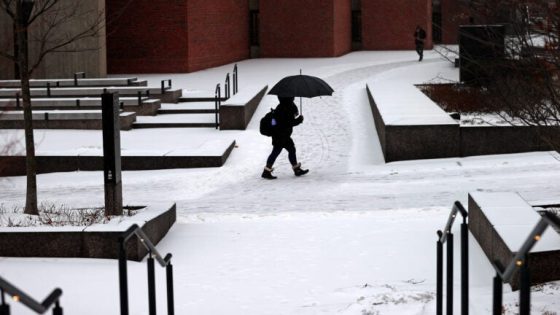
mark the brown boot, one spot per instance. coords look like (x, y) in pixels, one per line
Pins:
(267, 173)
(298, 171)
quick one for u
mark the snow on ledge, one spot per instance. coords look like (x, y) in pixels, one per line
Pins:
(244, 96)
(513, 219)
(403, 104)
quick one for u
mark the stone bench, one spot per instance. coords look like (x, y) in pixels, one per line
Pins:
(167, 95)
(501, 222)
(141, 106)
(410, 125)
(63, 119)
(237, 111)
(37, 83)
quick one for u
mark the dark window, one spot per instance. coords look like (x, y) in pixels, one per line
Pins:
(254, 27)
(357, 26)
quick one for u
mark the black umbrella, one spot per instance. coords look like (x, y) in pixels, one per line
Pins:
(301, 86)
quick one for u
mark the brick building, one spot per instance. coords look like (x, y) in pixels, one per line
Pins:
(162, 36)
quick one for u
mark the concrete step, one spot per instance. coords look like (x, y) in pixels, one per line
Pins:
(188, 108)
(177, 121)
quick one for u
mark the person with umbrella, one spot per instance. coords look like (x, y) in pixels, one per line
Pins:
(286, 116)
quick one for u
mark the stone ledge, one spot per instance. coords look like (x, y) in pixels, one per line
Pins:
(500, 222)
(96, 241)
(236, 113)
(15, 165)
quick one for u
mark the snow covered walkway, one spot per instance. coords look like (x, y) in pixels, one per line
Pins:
(354, 236)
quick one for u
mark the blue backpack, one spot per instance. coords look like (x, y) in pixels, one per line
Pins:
(268, 124)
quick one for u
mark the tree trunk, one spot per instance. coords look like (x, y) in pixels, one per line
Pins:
(30, 161)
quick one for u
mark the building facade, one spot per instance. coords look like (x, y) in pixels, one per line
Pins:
(162, 36)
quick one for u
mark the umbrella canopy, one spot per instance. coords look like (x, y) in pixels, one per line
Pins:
(301, 86)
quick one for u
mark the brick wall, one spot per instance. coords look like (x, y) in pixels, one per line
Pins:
(304, 28)
(390, 24)
(218, 32)
(453, 14)
(163, 36)
(342, 27)
(146, 36)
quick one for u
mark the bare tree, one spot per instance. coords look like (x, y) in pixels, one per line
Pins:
(524, 86)
(43, 27)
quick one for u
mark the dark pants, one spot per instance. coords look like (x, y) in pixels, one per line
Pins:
(277, 146)
(420, 49)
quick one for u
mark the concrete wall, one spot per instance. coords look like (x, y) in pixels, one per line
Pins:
(304, 28)
(390, 24)
(88, 55)
(218, 32)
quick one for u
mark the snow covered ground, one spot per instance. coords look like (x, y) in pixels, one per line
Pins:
(354, 236)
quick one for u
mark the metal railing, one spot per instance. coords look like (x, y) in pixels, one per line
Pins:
(20, 296)
(235, 80)
(164, 87)
(78, 74)
(520, 262)
(447, 236)
(217, 103)
(227, 87)
(152, 253)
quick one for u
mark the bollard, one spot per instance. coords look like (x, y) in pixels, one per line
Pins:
(18, 104)
(48, 89)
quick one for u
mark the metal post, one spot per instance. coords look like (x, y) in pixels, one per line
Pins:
(217, 100)
(151, 285)
(439, 276)
(112, 170)
(123, 275)
(75, 79)
(78, 102)
(57, 310)
(162, 87)
(48, 89)
(4, 308)
(524, 288)
(140, 98)
(227, 88)
(449, 284)
(170, 298)
(18, 105)
(235, 83)
(170, 83)
(497, 296)
(464, 268)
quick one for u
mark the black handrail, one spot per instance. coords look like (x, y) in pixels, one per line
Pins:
(227, 87)
(82, 74)
(217, 103)
(235, 80)
(447, 236)
(163, 87)
(19, 295)
(520, 260)
(152, 252)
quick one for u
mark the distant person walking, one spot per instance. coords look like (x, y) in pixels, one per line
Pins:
(285, 118)
(419, 37)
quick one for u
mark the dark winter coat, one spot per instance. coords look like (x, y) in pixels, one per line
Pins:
(285, 115)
